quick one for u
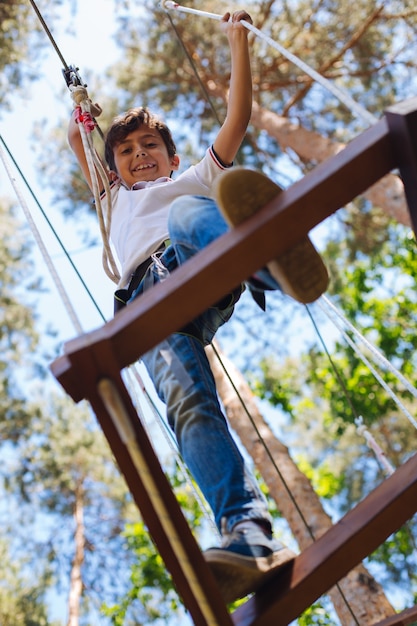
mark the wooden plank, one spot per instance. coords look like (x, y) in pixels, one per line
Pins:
(402, 124)
(405, 618)
(224, 264)
(334, 554)
(169, 530)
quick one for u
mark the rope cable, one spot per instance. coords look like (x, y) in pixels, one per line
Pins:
(358, 419)
(279, 473)
(195, 70)
(381, 358)
(53, 230)
(86, 125)
(49, 34)
(342, 95)
(45, 254)
(375, 352)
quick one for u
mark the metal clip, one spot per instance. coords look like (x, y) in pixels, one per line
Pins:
(72, 76)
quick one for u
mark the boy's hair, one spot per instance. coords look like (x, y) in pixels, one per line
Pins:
(126, 123)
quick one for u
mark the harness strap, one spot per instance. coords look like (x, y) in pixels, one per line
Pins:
(122, 296)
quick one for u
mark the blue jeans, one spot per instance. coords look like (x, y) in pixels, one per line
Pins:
(181, 373)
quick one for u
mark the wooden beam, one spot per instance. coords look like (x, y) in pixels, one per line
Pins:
(334, 554)
(402, 124)
(405, 618)
(157, 503)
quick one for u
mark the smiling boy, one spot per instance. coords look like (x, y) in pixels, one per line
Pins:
(158, 223)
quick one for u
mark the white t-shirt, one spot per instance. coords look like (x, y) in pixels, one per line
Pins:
(139, 221)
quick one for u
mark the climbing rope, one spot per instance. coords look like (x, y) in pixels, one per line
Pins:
(84, 117)
(42, 247)
(358, 419)
(342, 95)
(372, 444)
(338, 320)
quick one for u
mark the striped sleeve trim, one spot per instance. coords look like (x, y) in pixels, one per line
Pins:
(103, 192)
(218, 161)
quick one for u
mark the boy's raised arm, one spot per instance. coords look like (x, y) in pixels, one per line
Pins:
(239, 106)
(76, 144)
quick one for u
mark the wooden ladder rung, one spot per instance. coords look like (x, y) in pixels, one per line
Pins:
(334, 554)
(408, 617)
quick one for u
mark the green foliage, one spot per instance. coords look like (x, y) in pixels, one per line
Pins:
(325, 483)
(21, 40)
(316, 614)
(22, 601)
(151, 596)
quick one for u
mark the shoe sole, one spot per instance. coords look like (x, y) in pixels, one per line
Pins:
(238, 575)
(301, 273)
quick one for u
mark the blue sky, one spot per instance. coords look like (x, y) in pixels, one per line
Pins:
(85, 40)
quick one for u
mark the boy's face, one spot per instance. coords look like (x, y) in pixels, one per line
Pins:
(143, 156)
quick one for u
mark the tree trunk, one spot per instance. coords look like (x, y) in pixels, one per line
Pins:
(311, 147)
(362, 600)
(387, 193)
(76, 583)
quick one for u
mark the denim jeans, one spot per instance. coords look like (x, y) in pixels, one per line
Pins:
(181, 373)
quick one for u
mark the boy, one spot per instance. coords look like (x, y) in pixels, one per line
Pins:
(157, 224)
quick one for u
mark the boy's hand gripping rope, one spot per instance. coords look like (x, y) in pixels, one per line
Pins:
(340, 94)
(85, 111)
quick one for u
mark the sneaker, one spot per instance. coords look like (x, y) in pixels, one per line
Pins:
(300, 271)
(247, 558)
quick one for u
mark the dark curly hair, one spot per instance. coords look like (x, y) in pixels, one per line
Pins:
(126, 123)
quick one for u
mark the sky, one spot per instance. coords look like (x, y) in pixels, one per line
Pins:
(85, 40)
(89, 46)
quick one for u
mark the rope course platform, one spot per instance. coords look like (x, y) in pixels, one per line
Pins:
(91, 369)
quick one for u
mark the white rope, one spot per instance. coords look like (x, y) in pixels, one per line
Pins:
(171, 442)
(366, 361)
(95, 166)
(375, 352)
(121, 420)
(342, 95)
(372, 444)
(45, 254)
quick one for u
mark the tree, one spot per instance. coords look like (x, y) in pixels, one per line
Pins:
(66, 470)
(22, 600)
(369, 51)
(19, 43)
(292, 492)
